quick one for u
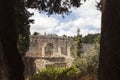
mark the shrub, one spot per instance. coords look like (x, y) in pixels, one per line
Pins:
(52, 73)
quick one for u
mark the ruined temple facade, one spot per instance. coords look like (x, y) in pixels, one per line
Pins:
(47, 50)
(49, 45)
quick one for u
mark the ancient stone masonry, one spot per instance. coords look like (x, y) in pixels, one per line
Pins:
(49, 45)
(47, 50)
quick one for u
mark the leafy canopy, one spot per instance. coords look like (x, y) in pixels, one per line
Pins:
(22, 26)
(54, 6)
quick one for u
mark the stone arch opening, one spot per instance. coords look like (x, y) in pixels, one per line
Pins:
(72, 51)
(49, 49)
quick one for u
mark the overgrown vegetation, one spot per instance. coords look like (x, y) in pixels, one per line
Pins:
(85, 66)
(22, 26)
(51, 73)
(91, 38)
(77, 46)
(88, 63)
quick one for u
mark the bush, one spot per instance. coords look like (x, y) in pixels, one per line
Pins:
(51, 73)
(88, 64)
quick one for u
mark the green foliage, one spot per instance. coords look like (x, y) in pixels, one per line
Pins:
(86, 67)
(77, 40)
(23, 44)
(52, 73)
(97, 39)
(36, 33)
(88, 63)
(23, 21)
(22, 25)
(53, 6)
(64, 35)
(90, 38)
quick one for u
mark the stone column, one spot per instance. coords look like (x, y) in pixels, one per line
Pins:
(59, 50)
(68, 51)
(43, 50)
(53, 51)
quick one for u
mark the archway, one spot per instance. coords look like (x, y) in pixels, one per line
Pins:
(72, 51)
(48, 50)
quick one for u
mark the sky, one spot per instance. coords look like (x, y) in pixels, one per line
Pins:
(86, 17)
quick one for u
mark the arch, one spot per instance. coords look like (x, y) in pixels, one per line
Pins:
(72, 51)
(48, 49)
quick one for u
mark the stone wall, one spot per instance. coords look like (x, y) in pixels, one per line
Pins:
(47, 50)
(39, 45)
(35, 64)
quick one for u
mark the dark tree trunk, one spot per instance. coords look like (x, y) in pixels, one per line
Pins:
(109, 67)
(10, 59)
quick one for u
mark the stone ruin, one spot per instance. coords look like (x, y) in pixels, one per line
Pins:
(47, 50)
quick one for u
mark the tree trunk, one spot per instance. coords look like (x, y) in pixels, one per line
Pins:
(10, 59)
(109, 67)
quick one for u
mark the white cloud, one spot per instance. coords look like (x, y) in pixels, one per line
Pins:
(87, 18)
(43, 23)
